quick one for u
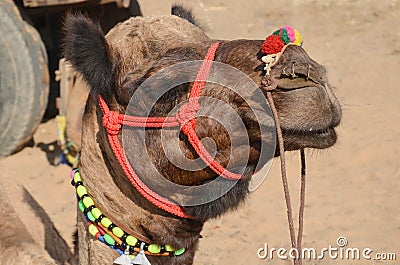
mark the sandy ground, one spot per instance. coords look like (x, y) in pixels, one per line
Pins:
(353, 189)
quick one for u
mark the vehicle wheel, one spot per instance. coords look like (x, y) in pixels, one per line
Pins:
(24, 79)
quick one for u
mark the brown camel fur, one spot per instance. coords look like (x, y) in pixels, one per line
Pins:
(116, 64)
(17, 245)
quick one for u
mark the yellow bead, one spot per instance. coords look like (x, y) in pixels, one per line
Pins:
(106, 222)
(299, 39)
(131, 240)
(118, 232)
(168, 247)
(153, 248)
(96, 212)
(87, 201)
(93, 230)
(81, 190)
(77, 177)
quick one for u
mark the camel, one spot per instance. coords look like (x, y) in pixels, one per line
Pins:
(31, 250)
(14, 251)
(115, 66)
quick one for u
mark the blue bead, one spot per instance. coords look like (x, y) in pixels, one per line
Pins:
(87, 219)
(120, 252)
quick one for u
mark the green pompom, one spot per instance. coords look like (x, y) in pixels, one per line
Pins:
(283, 34)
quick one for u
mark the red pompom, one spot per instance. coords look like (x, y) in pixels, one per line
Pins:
(272, 44)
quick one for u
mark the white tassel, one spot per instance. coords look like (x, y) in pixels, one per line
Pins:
(124, 259)
(141, 259)
(268, 60)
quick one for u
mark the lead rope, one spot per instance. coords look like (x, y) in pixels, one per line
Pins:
(269, 84)
(302, 201)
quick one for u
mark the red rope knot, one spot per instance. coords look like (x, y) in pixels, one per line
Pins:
(112, 122)
(187, 113)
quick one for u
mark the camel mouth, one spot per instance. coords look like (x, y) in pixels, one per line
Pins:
(318, 139)
(313, 116)
(320, 133)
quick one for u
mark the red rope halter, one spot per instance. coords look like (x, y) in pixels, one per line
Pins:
(185, 118)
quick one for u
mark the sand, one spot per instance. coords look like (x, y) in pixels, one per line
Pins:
(353, 189)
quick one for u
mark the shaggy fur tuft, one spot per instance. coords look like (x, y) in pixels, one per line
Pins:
(182, 12)
(86, 48)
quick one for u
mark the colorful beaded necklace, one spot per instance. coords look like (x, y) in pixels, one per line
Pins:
(103, 229)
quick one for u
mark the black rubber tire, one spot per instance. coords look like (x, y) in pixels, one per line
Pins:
(24, 79)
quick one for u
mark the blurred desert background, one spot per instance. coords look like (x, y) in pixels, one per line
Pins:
(353, 189)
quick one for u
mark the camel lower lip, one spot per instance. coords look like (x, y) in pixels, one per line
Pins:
(319, 139)
(320, 133)
(311, 132)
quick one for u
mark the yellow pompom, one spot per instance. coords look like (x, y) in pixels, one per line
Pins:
(299, 39)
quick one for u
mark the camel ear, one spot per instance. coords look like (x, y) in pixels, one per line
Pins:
(86, 48)
(185, 13)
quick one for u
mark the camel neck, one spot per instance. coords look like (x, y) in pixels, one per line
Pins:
(120, 202)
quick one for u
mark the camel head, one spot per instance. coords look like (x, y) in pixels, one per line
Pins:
(139, 58)
(117, 65)
(308, 109)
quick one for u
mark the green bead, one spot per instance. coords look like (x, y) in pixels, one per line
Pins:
(179, 251)
(91, 217)
(153, 248)
(81, 190)
(106, 222)
(118, 232)
(168, 248)
(93, 230)
(109, 239)
(77, 177)
(130, 240)
(81, 206)
(87, 201)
